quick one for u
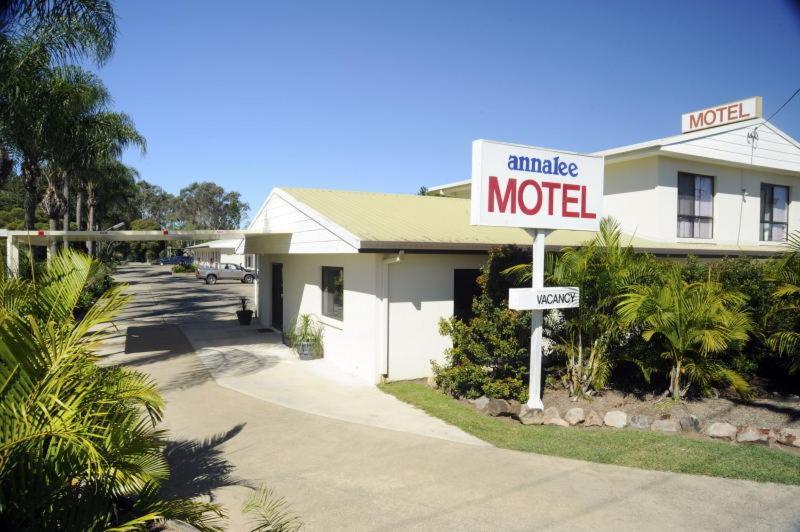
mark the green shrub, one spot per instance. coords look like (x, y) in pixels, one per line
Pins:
(490, 353)
(184, 268)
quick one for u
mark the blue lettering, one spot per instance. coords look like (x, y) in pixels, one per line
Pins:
(573, 169)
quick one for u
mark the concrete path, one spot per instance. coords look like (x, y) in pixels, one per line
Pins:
(340, 475)
(259, 365)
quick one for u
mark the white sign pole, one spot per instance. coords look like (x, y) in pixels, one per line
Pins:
(537, 320)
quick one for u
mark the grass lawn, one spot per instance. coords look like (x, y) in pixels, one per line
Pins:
(627, 447)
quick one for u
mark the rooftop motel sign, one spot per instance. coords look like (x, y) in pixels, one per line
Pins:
(536, 189)
(721, 115)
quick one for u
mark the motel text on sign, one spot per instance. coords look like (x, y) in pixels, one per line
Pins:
(721, 115)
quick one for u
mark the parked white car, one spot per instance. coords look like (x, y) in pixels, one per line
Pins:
(212, 274)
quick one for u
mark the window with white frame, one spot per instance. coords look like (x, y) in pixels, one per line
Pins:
(695, 206)
(774, 212)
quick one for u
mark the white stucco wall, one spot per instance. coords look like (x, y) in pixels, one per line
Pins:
(350, 344)
(643, 195)
(420, 294)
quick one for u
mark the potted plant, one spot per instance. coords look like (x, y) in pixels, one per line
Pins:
(245, 315)
(306, 338)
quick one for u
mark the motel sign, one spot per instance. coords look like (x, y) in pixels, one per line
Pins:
(536, 189)
(721, 115)
(523, 186)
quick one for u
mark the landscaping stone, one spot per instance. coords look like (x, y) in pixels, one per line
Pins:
(753, 435)
(665, 425)
(530, 416)
(593, 419)
(498, 407)
(615, 418)
(690, 423)
(639, 421)
(551, 417)
(555, 421)
(481, 403)
(551, 412)
(574, 416)
(724, 431)
(788, 436)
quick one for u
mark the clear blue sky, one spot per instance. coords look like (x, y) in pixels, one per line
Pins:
(387, 96)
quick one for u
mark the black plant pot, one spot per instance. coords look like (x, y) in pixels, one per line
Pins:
(244, 316)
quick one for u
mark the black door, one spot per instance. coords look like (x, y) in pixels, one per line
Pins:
(277, 296)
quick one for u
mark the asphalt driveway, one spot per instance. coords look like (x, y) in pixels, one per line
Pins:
(349, 475)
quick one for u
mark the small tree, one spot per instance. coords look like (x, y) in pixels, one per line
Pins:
(602, 269)
(786, 340)
(696, 322)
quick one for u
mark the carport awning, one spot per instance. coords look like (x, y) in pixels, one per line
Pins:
(43, 237)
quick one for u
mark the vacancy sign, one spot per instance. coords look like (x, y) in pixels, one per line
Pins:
(524, 186)
(721, 115)
(543, 298)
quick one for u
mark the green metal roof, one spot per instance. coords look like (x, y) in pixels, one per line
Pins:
(405, 221)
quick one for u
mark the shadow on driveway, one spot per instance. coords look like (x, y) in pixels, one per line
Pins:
(198, 467)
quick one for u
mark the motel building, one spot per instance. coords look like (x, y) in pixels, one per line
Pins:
(378, 271)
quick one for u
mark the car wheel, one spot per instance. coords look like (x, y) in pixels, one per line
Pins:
(211, 279)
(247, 279)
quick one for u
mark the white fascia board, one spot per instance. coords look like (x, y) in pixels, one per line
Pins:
(260, 210)
(465, 182)
(339, 231)
(780, 133)
(678, 139)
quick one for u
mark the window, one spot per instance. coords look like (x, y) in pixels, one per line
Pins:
(333, 292)
(465, 289)
(695, 206)
(774, 212)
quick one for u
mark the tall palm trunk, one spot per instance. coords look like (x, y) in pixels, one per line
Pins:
(30, 174)
(79, 205)
(65, 192)
(54, 204)
(91, 201)
(6, 164)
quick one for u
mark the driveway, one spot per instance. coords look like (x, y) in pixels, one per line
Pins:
(344, 471)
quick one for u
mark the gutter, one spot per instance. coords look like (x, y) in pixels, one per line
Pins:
(388, 261)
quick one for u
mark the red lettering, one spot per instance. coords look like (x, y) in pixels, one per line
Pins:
(733, 112)
(566, 200)
(502, 201)
(584, 212)
(713, 117)
(696, 120)
(742, 113)
(550, 186)
(521, 196)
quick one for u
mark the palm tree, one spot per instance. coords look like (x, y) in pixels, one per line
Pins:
(80, 450)
(602, 269)
(786, 342)
(25, 104)
(109, 176)
(64, 28)
(695, 321)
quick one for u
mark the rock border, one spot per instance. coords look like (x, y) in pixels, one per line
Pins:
(618, 419)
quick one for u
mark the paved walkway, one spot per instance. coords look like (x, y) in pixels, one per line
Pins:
(340, 475)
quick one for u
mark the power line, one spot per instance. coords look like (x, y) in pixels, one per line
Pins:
(779, 109)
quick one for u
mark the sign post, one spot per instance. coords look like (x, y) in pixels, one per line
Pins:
(536, 189)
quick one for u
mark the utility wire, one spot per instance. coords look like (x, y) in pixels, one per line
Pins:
(779, 108)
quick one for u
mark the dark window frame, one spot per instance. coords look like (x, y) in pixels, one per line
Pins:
(762, 219)
(330, 295)
(694, 218)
